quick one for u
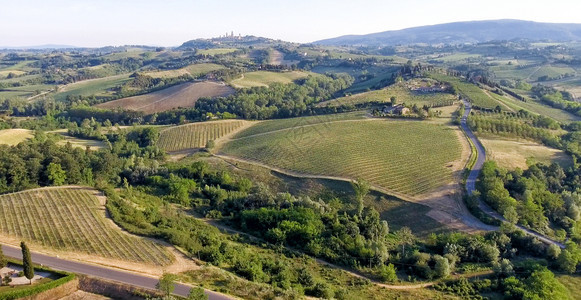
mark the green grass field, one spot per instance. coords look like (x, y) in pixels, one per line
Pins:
(194, 70)
(216, 51)
(408, 157)
(399, 91)
(536, 107)
(97, 87)
(13, 137)
(264, 78)
(196, 135)
(72, 219)
(469, 90)
(367, 85)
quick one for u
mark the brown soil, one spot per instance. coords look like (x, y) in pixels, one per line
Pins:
(181, 95)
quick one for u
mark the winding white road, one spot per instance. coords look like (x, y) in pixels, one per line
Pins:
(473, 176)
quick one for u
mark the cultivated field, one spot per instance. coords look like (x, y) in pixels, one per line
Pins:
(82, 143)
(290, 123)
(476, 95)
(14, 136)
(93, 87)
(196, 135)
(181, 95)
(264, 78)
(73, 219)
(402, 94)
(406, 157)
(513, 154)
(536, 107)
(572, 283)
(193, 70)
(216, 51)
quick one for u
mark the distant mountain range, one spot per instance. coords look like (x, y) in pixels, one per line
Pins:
(464, 32)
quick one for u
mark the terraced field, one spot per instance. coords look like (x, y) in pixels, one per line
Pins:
(407, 157)
(72, 219)
(196, 135)
(264, 78)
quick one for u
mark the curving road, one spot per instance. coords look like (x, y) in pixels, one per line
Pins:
(473, 176)
(103, 272)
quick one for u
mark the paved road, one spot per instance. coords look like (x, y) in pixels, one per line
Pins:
(473, 176)
(103, 272)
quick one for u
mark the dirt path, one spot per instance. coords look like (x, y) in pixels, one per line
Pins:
(497, 101)
(442, 212)
(533, 73)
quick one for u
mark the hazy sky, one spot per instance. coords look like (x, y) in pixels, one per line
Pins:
(171, 22)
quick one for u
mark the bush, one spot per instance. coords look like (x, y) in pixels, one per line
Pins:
(387, 273)
(321, 290)
(35, 289)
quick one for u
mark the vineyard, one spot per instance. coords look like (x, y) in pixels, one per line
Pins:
(470, 91)
(402, 94)
(72, 219)
(402, 156)
(196, 135)
(194, 70)
(264, 78)
(281, 124)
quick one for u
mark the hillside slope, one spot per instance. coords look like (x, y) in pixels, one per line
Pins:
(464, 32)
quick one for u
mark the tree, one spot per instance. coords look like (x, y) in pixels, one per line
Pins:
(405, 237)
(361, 188)
(166, 283)
(553, 251)
(442, 267)
(27, 262)
(197, 293)
(387, 273)
(542, 284)
(210, 144)
(3, 261)
(511, 215)
(56, 174)
(567, 261)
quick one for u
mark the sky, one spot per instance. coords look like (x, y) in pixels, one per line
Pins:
(94, 23)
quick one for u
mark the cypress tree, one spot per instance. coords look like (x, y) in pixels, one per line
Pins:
(3, 261)
(27, 262)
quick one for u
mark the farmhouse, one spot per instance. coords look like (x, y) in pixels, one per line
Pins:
(396, 110)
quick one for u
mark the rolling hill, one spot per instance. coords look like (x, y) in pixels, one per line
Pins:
(464, 32)
(181, 95)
